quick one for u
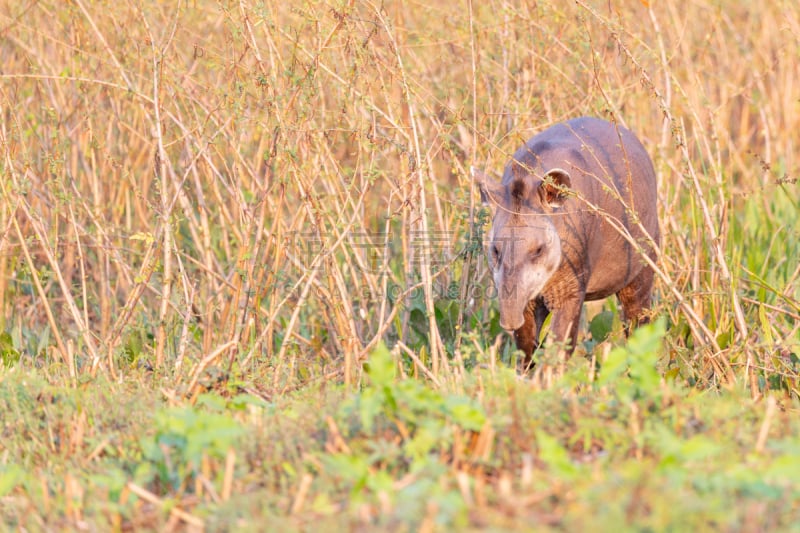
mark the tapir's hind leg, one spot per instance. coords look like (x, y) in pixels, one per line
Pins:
(635, 299)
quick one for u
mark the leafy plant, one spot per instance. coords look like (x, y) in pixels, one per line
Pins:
(632, 367)
(399, 428)
(8, 354)
(184, 437)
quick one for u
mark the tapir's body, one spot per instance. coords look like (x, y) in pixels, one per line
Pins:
(570, 202)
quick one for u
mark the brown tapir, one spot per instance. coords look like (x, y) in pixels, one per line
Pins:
(566, 200)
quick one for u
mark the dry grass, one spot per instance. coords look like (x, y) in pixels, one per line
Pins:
(263, 176)
(261, 192)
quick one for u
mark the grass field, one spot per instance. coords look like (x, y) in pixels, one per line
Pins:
(243, 285)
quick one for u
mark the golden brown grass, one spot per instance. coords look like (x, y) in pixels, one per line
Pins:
(260, 193)
(249, 181)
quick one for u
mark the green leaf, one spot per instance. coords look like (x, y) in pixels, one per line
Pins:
(601, 326)
(144, 473)
(555, 456)
(466, 413)
(380, 367)
(424, 441)
(350, 468)
(646, 340)
(8, 353)
(784, 469)
(241, 401)
(114, 479)
(369, 406)
(615, 365)
(699, 447)
(11, 476)
(212, 401)
(638, 358)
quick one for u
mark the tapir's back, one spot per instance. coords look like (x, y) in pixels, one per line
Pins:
(601, 155)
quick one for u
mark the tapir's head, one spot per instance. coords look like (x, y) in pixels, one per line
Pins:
(524, 247)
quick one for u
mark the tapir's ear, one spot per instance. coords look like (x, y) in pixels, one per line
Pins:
(555, 187)
(491, 190)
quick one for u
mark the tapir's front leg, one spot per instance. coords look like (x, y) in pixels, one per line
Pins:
(564, 324)
(527, 336)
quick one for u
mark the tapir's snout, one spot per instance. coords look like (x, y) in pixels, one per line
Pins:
(511, 326)
(512, 307)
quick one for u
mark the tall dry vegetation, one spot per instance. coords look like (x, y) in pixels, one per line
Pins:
(272, 189)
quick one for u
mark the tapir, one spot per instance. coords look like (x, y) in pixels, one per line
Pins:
(575, 218)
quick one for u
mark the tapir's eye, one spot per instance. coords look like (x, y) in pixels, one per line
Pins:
(537, 252)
